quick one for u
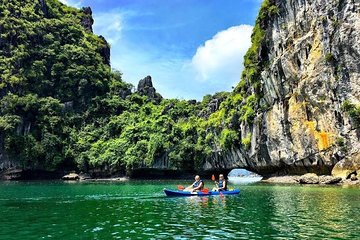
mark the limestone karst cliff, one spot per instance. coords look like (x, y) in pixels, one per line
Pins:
(295, 110)
(51, 68)
(308, 65)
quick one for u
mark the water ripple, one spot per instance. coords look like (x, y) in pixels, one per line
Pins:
(135, 211)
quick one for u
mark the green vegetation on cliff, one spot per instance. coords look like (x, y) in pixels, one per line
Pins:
(51, 71)
(62, 107)
(353, 111)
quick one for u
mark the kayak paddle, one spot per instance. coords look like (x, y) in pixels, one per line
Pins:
(205, 191)
(213, 179)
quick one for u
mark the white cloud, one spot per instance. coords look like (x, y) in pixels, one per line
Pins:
(109, 25)
(73, 3)
(221, 58)
(215, 66)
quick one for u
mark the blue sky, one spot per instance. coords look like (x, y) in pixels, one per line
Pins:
(190, 47)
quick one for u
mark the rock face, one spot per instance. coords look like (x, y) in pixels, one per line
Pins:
(11, 174)
(87, 21)
(145, 88)
(309, 178)
(353, 177)
(71, 177)
(105, 51)
(212, 106)
(312, 178)
(312, 51)
(346, 167)
(329, 179)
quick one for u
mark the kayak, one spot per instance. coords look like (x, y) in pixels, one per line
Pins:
(180, 193)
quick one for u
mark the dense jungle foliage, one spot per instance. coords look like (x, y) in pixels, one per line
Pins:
(62, 107)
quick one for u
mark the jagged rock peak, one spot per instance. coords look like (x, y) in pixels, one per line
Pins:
(105, 51)
(87, 20)
(145, 83)
(145, 88)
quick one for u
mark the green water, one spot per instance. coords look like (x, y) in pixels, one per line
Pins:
(139, 210)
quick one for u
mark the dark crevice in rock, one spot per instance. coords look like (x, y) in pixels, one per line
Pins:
(298, 63)
(341, 5)
(286, 123)
(308, 113)
(339, 118)
(263, 148)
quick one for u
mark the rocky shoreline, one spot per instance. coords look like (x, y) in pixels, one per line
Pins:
(311, 178)
(86, 177)
(308, 178)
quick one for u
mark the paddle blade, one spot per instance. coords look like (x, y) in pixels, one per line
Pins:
(213, 177)
(180, 187)
(205, 190)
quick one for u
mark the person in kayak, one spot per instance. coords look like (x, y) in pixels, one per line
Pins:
(221, 185)
(198, 185)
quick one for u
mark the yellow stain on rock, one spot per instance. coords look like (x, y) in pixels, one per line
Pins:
(323, 142)
(298, 107)
(316, 51)
(324, 139)
(302, 128)
(311, 126)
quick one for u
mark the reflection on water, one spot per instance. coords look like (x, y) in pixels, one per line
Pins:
(313, 212)
(203, 202)
(140, 210)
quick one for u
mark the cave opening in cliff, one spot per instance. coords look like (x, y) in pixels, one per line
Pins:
(241, 175)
